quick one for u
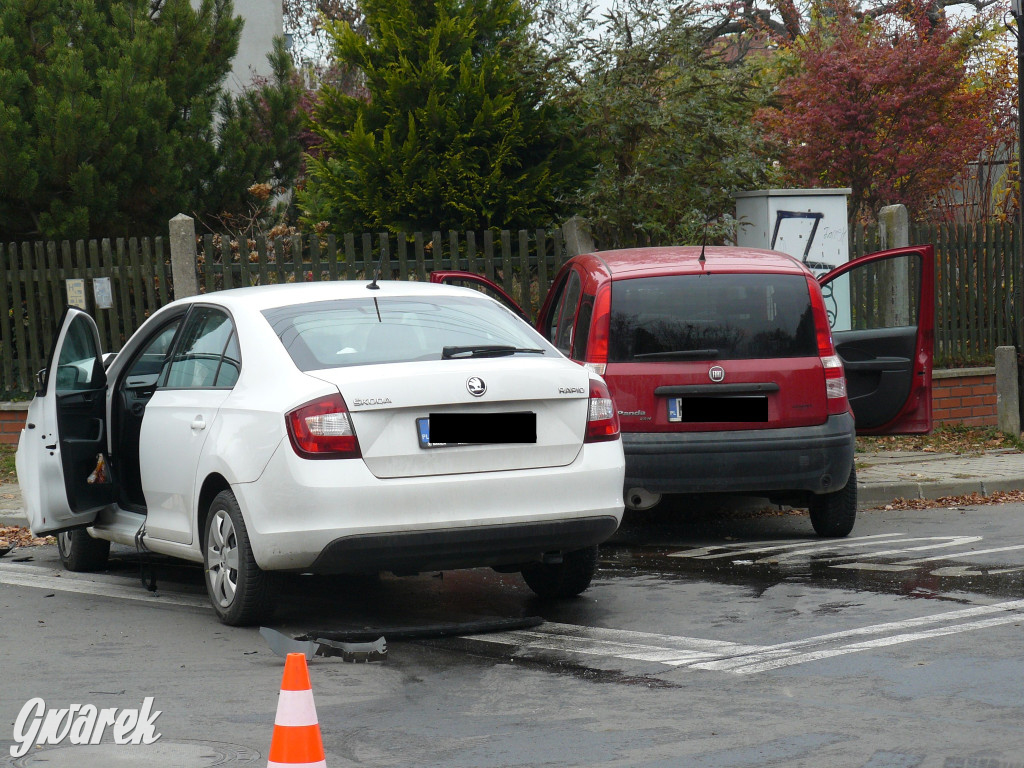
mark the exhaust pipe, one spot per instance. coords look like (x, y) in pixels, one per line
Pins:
(640, 499)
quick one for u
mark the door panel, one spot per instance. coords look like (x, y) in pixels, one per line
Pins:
(62, 463)
(180, 416)
(479, 283)
(881, 309)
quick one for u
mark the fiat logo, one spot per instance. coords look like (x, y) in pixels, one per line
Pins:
(717, 373)
(476, 386)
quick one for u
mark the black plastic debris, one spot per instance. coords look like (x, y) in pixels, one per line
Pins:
(282, 645)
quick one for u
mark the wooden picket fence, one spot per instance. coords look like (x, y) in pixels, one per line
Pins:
(33, 290)
(979, 276)
(979, 271)
(33, 297)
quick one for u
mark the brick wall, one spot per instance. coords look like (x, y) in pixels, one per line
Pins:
(964, 396)
(959, 396)
(12, 419)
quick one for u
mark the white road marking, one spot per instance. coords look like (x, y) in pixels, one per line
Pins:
(785, 551)
(711, 553)
(98, 585)
(943, 541)
(796, 648)
(967, 553)
(803, 658)
(725, 656)
(883, 567)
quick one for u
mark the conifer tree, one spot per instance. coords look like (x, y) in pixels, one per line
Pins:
(457, 132)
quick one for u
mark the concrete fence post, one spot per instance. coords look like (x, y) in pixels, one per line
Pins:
(183, 256)
(894, 227)
(578, 239)
(1007, 392)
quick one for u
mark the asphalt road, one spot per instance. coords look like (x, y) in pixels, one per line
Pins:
(705, 641)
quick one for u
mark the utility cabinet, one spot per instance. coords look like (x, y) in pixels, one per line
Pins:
(808, 224)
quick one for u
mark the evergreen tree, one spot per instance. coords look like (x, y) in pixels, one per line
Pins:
(107, 116)
(457, 132)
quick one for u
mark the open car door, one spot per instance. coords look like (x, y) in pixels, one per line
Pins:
(62, 453)
(480, 283)
(881, 308)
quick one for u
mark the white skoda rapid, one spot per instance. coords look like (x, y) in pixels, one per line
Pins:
(325, 428)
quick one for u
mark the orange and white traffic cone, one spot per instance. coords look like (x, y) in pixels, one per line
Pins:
(296, 742)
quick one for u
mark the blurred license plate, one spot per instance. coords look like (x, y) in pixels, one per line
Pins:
(442, 430)
(739, 408)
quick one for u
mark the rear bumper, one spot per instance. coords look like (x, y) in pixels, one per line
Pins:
(336, 517)
(409, 551)
(814, 459)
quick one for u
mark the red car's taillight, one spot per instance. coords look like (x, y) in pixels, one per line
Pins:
(602, 419)
(835, 377)
(322, 429)
(597, 344)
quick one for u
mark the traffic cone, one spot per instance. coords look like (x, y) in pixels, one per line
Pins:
(296, 740)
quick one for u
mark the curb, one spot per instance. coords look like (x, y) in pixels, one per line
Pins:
(876, 494)
(15, 519)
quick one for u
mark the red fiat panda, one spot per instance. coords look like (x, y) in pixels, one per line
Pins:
(735, 370)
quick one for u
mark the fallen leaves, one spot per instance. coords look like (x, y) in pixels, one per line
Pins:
(22, 537)
(945, 438)
(956, 502)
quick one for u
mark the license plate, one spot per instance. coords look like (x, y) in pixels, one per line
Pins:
(739, 408)
(446, 430)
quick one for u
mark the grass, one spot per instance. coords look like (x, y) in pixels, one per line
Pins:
(7, 472)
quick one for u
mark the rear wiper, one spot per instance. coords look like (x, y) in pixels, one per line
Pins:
(486, 350)
(703, 354)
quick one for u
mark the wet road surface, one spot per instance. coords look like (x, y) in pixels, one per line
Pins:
(706, 640)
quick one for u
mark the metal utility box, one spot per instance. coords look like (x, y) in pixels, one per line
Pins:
(808, 224)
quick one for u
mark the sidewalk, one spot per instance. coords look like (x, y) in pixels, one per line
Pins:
(881, 477)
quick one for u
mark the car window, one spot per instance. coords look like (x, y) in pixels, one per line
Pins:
(582, 333)
(335, 334)
(150, 361)
(880, 294)
(230, 364)
(79, 358)
(566, 313)
(197, 356)
(711, 316)
(549, 323)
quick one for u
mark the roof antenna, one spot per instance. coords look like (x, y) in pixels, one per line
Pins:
(376, 272)
(704, 242)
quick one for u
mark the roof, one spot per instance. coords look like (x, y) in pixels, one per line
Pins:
(650, 262)
(262, 297)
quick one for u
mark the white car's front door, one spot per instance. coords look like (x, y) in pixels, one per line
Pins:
(62, 452)
(179, 417)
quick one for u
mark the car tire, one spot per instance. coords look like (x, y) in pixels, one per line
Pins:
(241, 593)
(81, 552)
(833, 514)
(565, 579)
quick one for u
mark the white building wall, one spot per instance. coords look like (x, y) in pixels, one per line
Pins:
(264, 20)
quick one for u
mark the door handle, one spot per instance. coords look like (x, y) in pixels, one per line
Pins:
(198, 425)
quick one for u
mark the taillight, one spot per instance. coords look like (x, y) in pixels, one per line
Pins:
(597, 344)
(322, 429)
(602, 420)
(835, 377)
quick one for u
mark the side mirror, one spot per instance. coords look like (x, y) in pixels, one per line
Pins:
(41, 382)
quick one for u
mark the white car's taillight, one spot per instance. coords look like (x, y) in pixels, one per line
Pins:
(602, 419)
(835, 376)
(322, 429)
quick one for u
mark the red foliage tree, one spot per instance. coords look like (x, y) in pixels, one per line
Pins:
(889, 110)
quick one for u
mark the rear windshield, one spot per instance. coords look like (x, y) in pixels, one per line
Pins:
(335, 334)
(712, 316)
